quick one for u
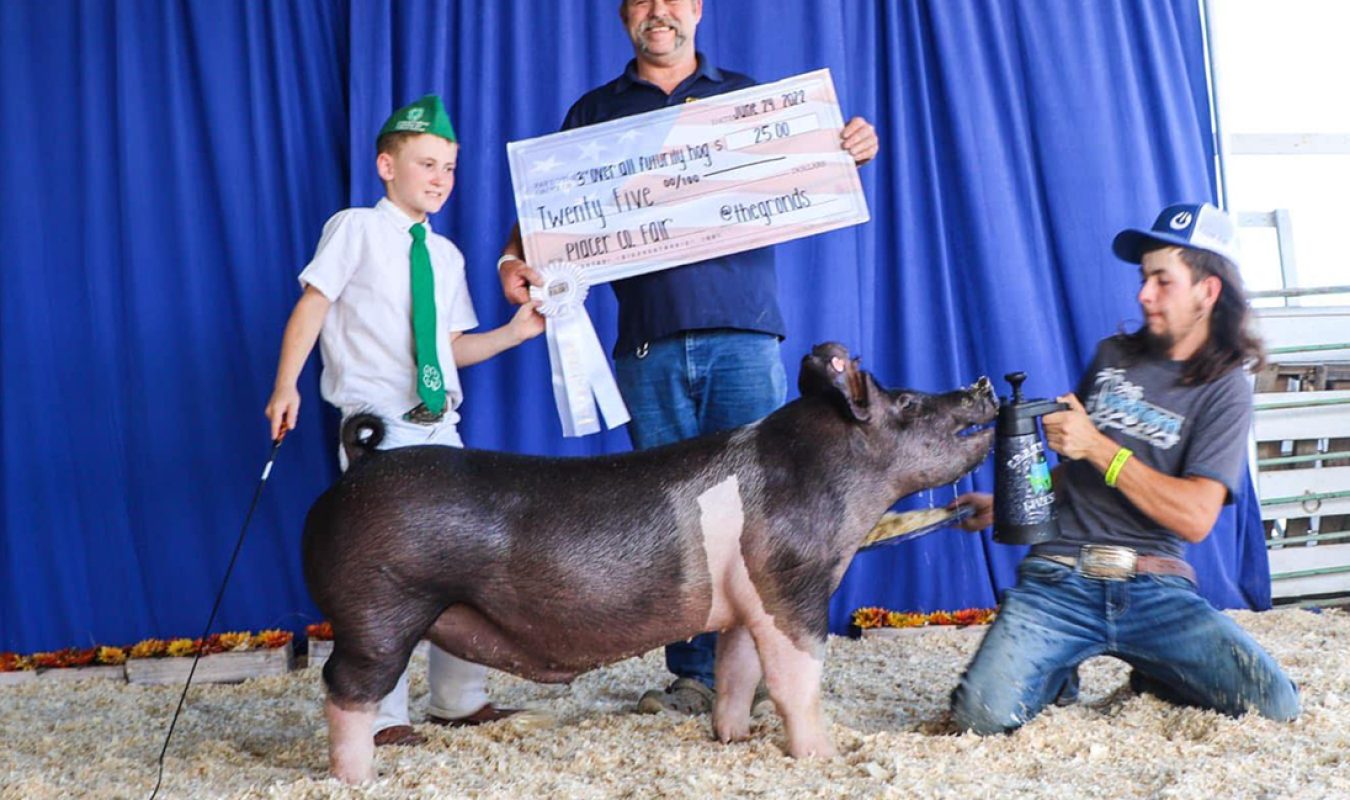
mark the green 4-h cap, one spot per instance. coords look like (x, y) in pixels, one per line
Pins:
(426, 115)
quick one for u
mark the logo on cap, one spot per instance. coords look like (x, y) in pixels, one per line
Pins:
(415, 114)
(1180, 221)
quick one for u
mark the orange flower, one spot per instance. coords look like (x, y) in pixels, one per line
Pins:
(900, 619)
(44, 660)
(272, 639)
(864, 618)
(182, 647)
(149, 648)
(60, 659)
(13, 662)
(873, 617)
(236, 640)
(972, 616)
(323, 631)
(111, 656)
(79, 658)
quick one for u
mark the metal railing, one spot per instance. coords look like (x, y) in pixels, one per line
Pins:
(1307, 348)
(1326, 401)
(1309, 573)
(1312, 292)
(1312, 537)
(1305, 498)
(1283, 460)
(1309, 503)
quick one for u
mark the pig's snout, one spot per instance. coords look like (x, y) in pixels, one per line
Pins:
(983, 389)
(980, 402)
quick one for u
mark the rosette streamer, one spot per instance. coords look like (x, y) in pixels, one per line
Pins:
(582, 381)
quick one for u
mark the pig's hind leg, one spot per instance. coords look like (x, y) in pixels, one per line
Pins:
(737, 673)
(361, 670)
(792, 671)
(351, 747)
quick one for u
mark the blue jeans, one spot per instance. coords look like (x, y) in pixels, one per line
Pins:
(1055, 618)
(692, 384)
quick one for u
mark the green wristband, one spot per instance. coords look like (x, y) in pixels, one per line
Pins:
(1117, 463)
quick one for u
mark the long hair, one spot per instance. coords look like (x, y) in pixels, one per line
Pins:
(1232, 342)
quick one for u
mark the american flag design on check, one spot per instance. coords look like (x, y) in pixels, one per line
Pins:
(721, 175)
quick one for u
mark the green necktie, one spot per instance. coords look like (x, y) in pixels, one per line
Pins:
(430, 384)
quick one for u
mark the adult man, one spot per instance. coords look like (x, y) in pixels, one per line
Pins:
(697, 349)
(1156, 451)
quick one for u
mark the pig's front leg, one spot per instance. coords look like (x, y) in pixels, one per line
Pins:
(737, 674)
(793, 676)
(351, 741)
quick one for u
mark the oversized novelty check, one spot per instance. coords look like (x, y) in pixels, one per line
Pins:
(682, 184)
(674, 186)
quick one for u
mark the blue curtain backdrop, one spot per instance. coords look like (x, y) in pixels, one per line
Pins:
(168, 168)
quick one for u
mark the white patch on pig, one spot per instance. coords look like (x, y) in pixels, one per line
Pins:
(792, 673)
(722, 521)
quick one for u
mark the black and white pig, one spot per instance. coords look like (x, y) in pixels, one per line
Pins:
(549, 567)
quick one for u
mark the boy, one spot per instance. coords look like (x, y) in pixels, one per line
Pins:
(388, 301)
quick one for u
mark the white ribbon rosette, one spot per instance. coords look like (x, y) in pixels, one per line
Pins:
(581, 376)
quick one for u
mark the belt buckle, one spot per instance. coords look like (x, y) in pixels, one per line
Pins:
(422, 415)
(1107, 562)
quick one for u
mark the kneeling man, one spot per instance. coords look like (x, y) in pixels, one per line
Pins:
(1148, 462)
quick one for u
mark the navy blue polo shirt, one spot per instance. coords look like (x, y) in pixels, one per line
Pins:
(736, 291)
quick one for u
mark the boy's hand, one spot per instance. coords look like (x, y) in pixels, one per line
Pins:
(983, 504)
(528, 322)
(517, 277)
(283, 409)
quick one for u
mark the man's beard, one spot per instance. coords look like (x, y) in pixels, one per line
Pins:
(1158, 344)
(651, 23)
(1161, 344)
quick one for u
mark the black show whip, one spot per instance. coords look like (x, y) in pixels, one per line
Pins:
(257, 493)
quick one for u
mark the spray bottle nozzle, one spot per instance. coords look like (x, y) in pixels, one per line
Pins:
(1016, 379)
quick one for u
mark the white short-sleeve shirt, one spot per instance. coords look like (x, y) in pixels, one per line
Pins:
(362, 266)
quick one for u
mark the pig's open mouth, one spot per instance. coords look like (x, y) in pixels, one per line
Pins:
(974, 429)
(972, 444)
(982, 430)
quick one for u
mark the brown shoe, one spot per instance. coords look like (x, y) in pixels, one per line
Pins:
(684, 696)
(486, 714)
(761, 703)
(398, 735)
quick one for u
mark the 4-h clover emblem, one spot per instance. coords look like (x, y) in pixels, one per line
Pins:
(431, 378)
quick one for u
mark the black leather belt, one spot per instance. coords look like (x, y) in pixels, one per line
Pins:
(1113, 563)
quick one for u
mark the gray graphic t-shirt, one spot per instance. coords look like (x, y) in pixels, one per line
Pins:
(1178, 430)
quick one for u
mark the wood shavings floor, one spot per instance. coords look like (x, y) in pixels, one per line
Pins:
(886, 699)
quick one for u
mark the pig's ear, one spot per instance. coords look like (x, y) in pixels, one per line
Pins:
(829, 373)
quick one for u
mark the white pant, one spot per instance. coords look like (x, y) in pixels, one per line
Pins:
(458, 687)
